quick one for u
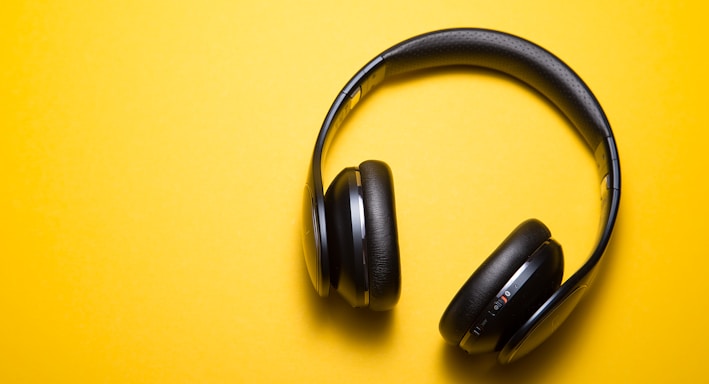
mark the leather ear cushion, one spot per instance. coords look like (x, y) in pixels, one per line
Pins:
(489, 278)
(381, 235)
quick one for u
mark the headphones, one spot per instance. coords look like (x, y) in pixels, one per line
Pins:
(514, 300)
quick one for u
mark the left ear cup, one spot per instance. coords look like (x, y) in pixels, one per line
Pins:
(362, 236)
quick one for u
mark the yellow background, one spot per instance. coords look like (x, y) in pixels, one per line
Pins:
(153, 155)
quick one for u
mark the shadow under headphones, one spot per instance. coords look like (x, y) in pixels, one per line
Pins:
(515, 299)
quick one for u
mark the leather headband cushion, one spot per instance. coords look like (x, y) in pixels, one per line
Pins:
(381, 235)
(513, 56)
(490, 277)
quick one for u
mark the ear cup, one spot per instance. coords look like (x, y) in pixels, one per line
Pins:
(362, 236)
(382, 243)
(489, 279)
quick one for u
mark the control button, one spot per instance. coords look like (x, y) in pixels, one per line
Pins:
(479, 327)
(501, 301)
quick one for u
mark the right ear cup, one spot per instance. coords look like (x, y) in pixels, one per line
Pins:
(362, 236)
(477, 303)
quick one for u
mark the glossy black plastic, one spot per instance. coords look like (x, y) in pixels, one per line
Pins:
(345, 218)
(314, 238)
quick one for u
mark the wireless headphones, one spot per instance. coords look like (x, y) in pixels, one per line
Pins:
(515, 299)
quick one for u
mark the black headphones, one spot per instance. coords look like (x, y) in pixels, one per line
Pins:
(515, 299)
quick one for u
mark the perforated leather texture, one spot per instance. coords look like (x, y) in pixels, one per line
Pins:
(509, 54)
(381, 235)
(490, 277)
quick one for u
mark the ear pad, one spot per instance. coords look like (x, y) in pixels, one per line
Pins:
(362, 236)
(381, 235)
(484, 284)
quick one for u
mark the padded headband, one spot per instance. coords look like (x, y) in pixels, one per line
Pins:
(515, 57)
